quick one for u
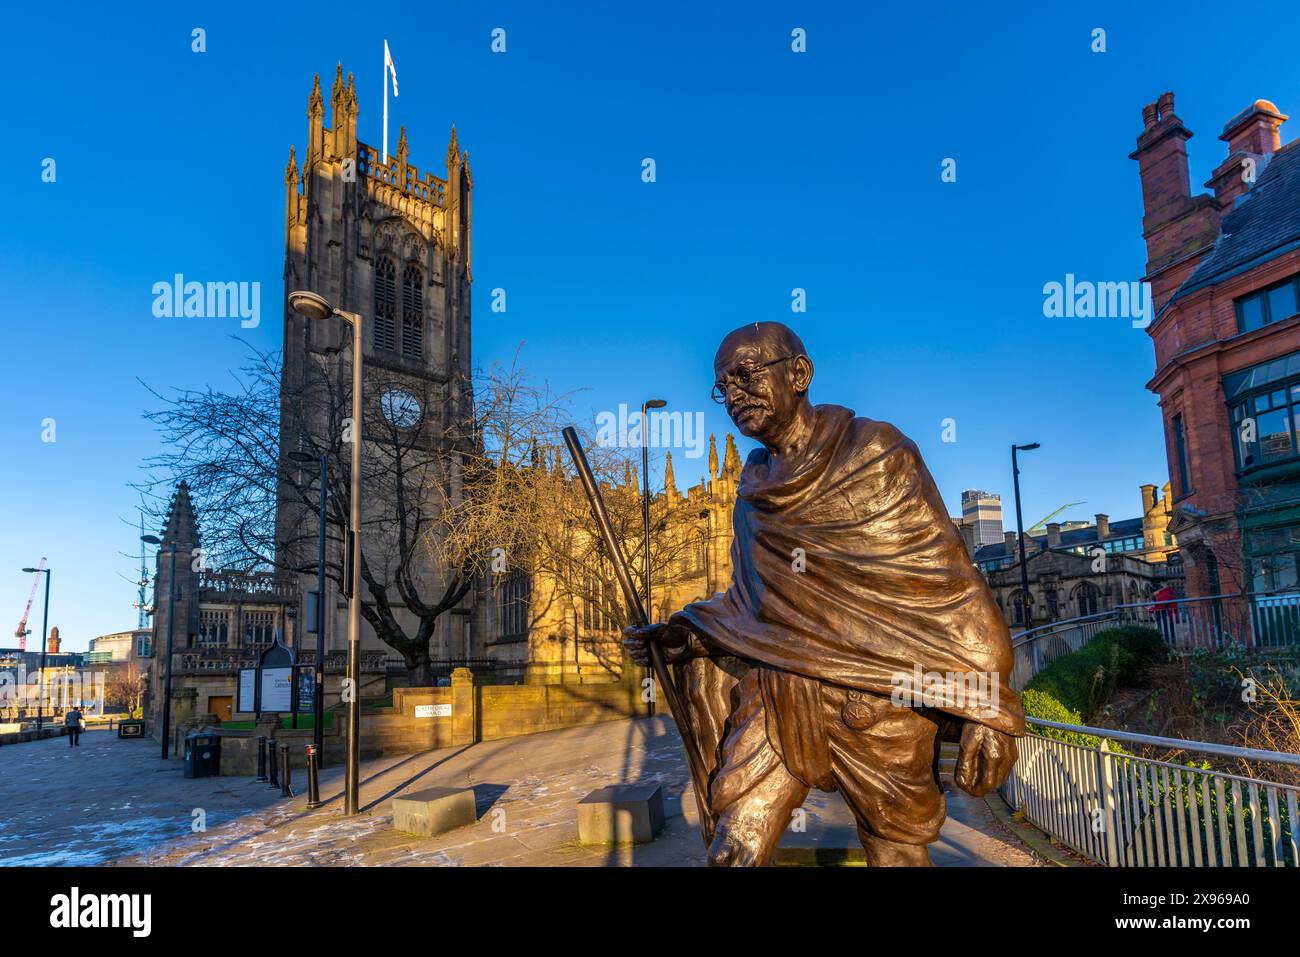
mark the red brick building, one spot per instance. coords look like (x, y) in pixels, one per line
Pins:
(1224, 269)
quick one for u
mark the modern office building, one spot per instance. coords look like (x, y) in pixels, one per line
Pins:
(982, 511)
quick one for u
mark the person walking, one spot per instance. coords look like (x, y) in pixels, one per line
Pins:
(1165, 612)
(73, 721)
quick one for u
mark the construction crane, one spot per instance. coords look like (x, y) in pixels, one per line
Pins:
(21, 633)
(145, 609)
(1037, 525)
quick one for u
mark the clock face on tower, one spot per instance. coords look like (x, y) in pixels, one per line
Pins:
(400, 408)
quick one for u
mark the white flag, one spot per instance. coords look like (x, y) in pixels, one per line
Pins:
(388, 65)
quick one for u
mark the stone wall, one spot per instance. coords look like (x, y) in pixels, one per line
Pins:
(10, 735)
(504, 711)
(425, 719)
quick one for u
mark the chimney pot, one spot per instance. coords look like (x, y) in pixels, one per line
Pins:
(1254, 129)
(1251, 135)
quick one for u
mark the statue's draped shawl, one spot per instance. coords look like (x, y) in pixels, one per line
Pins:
(886, 583)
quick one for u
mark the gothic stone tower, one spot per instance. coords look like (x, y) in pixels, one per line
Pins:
(180, 616)
(392, 244)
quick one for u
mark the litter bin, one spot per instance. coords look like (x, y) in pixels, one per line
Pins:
(202, 755)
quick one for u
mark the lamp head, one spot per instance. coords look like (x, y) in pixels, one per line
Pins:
(300, 456)
(310, 305)
(1028, 448)
(655, 403)
(151, 539)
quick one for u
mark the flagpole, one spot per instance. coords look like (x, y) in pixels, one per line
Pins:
(385, 82)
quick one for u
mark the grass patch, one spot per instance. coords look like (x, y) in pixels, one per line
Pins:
(286, 722)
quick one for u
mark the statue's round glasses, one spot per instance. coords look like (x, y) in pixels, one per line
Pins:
(742, 377)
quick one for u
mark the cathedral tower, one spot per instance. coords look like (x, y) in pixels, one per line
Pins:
(391, 243)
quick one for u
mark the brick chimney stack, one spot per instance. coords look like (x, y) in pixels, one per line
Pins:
(1103, 526)
(1177, 226)
(967, 532)
(1253, 137)
(1009, 540)
(52, 642)
(1053, 534)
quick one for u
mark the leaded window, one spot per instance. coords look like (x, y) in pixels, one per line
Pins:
(514, 598)
(412, 313)
(259, 627)
(214, 627)
(385, 321)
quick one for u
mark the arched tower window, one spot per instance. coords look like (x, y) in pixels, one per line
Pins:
(1085, 595)
(1017, 604)
(413, 313)
(385, 305)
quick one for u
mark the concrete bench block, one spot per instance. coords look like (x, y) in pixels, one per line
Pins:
(434, 811)
(621, 814)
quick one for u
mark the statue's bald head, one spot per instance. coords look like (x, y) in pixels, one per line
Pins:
(774, 339)
(763, 373)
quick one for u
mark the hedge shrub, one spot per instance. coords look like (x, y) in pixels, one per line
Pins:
(1078, 685)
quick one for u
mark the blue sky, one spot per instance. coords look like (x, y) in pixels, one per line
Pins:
(774, 171)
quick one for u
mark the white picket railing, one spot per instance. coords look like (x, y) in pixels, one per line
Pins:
(1125, 811)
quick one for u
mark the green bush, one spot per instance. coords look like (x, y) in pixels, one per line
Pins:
(1041, 704)
(1083, 681)
(1145, 644)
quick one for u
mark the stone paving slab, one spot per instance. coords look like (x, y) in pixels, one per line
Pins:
(105, 799)
(117, 802)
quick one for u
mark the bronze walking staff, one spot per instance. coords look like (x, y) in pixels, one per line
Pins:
(638, 618)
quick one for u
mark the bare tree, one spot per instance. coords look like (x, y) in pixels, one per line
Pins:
(471, 476)
(565, 551)
(124, 685)
(438, 496)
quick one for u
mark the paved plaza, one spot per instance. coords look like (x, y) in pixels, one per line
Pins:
(115, 801)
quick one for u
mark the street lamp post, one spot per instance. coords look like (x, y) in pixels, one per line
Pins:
(1025, 602)
(645, 504)
(312, 306)
(45, 624)
(171, 631)
(318, 712)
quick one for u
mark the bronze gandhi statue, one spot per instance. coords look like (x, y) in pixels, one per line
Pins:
(855, 636)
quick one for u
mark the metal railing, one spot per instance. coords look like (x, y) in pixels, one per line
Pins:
(443, 667)
(1121, 810)
(1213, 622)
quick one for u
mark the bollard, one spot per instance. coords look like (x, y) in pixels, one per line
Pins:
(286, 790)
(313, 781)
(275, 765)
(261, 758)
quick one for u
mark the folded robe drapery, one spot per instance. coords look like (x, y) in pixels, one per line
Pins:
(885, 585)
